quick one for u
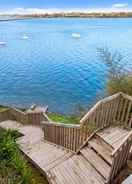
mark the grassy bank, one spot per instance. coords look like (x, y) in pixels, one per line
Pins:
(3, 108)
(56, 117)
(67, 119)
(14, 168)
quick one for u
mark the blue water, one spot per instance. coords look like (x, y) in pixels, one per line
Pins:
(51, 67)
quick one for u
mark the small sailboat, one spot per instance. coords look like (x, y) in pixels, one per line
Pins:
(2, 43)
(76, 35)
(25, 37)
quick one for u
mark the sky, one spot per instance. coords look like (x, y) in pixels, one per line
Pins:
(41, 5)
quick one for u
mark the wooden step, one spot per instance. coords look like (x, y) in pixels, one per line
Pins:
(113, 135)
(102, 149)
(96, 161)
(104, 143)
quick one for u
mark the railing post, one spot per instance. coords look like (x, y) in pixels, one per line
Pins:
(120, 156)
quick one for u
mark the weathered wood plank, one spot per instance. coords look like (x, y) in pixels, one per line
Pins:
(96, 161)
(113, 135)
(76, 170)
(101, 150)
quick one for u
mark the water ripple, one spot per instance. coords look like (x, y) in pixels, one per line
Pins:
(53, 68)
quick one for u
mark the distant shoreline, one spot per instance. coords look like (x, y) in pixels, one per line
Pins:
(14, 19)
(8, 20)
(66, 15)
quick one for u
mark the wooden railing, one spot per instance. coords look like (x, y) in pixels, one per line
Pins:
(124, 113)
(4, 115)
(34, 118)
(19, 115)
(67, 136)
(113, 110)
(103, 114)
(120, 156)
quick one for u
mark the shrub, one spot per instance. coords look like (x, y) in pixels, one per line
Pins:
(14, 168)
(10, 157)
(7, 146)
(19, 163)
(119, 80)
(123, 84)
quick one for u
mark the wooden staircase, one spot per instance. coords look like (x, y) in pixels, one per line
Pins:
(98, 153)
(101, 143)
(97, 162)
(107, 160)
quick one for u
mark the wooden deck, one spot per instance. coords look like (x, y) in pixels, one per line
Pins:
(75, 170)
(92, 165)
(44, 155)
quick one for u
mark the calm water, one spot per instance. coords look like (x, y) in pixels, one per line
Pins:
(51, 67)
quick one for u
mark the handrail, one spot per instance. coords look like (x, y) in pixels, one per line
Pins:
(127, 96)
(102, 115)
(28, 118)
(107, 99)
(17, 110)
(114, 109)
(129, 136)
(57, 124)
(90, 112)
(46, 117)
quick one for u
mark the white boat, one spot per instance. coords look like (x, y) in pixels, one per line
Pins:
(24, 37)
(76, 35)
(2, 43)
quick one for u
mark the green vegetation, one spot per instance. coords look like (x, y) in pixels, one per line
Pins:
(64, 118)
(3, 108)
(119, 80)
(123, 84)
(14, 168)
